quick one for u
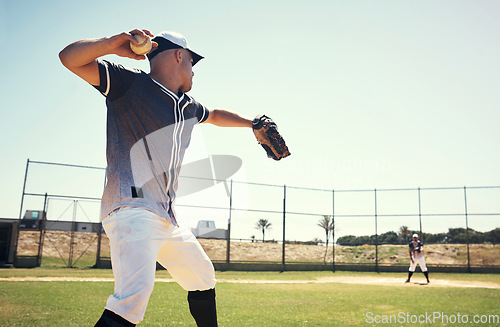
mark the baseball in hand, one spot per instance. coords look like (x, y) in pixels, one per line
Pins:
(144, 45)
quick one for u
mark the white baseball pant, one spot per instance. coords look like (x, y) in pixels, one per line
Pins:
(138, 238)
(421, 262)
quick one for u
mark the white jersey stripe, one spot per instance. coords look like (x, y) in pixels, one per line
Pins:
(172, 94)
(202, 117)
(173, 152)
(181, 128)
(107, 81)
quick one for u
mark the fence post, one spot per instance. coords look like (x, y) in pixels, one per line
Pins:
(467, 229)
(21, 210)
(72, 239)
(98, 253)
(42, 232)
(376, 233)
(420, 216)
(228, 242)
(284, 225)
(333, 230)
(24, 188)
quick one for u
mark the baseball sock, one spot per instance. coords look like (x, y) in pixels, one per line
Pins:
(426, 273)
(409, 275)
(202, 307)
(111, 319)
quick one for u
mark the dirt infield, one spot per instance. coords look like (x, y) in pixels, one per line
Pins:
(381, 281)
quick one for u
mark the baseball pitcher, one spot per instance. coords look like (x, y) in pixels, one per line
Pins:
(150, 118)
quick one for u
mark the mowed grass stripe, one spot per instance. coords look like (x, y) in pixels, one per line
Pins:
(81, 303)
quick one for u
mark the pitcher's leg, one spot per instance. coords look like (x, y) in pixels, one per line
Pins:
(203, 308)
(187, 262)
(134, 244)
(111, 319)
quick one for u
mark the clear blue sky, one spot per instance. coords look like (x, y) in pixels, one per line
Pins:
(367, 93)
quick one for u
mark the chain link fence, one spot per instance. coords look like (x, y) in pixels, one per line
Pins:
(263, 225)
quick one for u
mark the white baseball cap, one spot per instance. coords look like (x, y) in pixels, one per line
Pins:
(172, 40)
(415, 235)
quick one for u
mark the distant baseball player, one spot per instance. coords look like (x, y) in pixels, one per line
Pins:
(149, 123)
(417, 256)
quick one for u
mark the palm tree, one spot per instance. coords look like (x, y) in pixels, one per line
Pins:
(262, 225)
(327, 224)
(403, 233)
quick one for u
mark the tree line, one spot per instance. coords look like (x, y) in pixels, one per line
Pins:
(403, 236)
(453, 236)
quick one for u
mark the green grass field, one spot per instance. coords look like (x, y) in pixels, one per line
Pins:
(37, 303)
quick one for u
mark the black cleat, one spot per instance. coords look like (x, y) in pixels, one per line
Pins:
(407, 281)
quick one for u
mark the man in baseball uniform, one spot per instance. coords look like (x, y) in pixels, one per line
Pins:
(417, 256)
(149, 123)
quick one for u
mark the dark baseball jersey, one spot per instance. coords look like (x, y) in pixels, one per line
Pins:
(148, 130)
(416, 249)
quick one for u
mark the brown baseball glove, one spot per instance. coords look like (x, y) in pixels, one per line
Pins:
(267, 135)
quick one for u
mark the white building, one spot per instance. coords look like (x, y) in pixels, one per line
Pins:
(207, 229)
